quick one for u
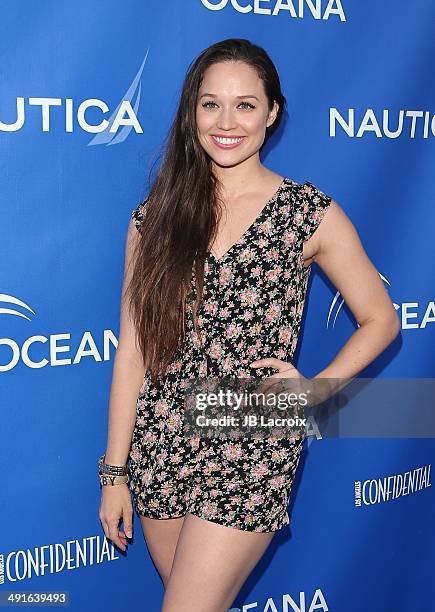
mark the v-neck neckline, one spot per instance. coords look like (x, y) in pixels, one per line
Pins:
(242, 239)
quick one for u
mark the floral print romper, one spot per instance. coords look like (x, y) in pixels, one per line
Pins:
(252, 308)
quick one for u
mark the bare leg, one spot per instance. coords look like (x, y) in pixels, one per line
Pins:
(161, 536)
(211, 564)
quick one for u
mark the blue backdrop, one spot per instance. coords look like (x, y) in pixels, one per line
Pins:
(88, 91)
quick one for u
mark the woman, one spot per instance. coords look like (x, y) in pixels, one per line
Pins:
(217, 263)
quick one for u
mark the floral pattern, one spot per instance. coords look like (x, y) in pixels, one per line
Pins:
(252, 307)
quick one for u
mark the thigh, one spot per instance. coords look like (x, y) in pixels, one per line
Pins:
(161, 536)
(211, 563)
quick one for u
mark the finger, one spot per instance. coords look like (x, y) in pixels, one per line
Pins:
(105, 528)
(261, 388)
(128, 523)
(275, 389)
(113, 534)
(120, 542)
(266, 384)
(267, 362)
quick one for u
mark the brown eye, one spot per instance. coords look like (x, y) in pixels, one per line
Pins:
(248, 104)
(245, 104)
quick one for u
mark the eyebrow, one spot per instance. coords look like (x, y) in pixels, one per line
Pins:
(214, 96)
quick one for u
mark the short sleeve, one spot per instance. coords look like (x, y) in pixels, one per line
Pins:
(312, 208)
(138, 215)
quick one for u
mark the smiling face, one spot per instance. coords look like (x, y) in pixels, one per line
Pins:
(232, 113)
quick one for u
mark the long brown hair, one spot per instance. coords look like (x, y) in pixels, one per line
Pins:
(182, 212)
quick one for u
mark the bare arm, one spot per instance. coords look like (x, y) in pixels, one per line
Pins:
(337, 249)
(128, 374)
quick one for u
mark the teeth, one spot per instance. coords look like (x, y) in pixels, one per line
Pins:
(227, 140)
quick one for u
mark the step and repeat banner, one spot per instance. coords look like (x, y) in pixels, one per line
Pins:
(87, 94)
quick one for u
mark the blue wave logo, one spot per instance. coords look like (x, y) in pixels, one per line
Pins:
(13, 300)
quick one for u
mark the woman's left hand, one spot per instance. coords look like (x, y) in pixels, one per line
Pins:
(285, 370)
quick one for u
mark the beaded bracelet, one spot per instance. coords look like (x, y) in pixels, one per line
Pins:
(111, 470)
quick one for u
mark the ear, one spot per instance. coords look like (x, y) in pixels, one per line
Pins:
(273, 113)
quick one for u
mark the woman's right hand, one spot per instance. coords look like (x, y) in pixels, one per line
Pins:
(116, 504)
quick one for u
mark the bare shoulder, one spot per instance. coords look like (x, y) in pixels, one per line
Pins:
(335, 225)
(339, 252)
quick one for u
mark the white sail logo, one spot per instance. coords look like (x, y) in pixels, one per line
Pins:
(110, 134)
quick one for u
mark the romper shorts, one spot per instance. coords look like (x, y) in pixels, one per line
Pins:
(244, 484)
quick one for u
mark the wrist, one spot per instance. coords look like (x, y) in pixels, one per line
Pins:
(320, 389)
(115, 459)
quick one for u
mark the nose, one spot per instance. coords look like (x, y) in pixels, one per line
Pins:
(226, 120)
